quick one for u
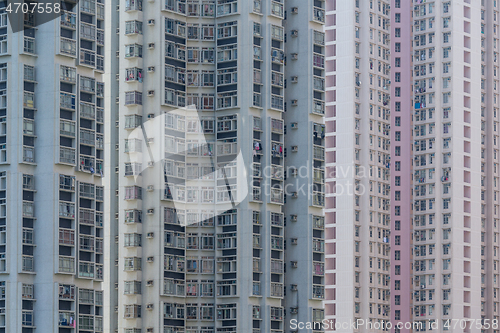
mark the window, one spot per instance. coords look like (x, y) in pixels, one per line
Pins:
(397, 3)
(397, 47)
(397, 121)
(397, 92)
(397, 151)
(398, 106)
(397, 270)
(397, 284)
(397, 255)
(397, 18)
(397, 62)
(397, 77)
(397, 225)
(397, 136)
(397, 181)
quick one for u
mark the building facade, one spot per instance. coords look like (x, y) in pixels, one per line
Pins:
(443, 159)
(220, 107)
(52, 132)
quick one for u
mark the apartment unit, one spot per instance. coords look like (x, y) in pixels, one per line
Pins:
(220, 105)
(51, 167)
(358, 160)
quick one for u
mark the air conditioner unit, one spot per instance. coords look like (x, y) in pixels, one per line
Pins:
(294, 241)
(117, 123)
(294, 172)
(117, 7)
(149, 330)
(117, 100)
(151, 115)
(149, 283)
(294, 310)
(116, 262)
(295, 102)
(295, 79)
(150, 235)
(151, 259)
(117, 31)
(151, 188)
(149, 306)
(295, 149)
(151, 211)
(295, 56)
(293, 217)
(151, 69)
(151, 93)
(117, 192)
(151, 140)
(295, 10)
(151, 164)
(295, 125)
(116, 285)
(151, 22)
(117, 54)
(151, 45)
(293, 287)
(116, 215)
(295, 33)
(117, 239)
(295, 195)
(116, 309)
(117, 77)
(294, 264)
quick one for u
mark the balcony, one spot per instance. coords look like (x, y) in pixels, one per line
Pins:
(28, 154)
(86, 216)
(66, 237)
(133, 5)
(277, 172)
(318, 245)
(318, 292)
(99, 141)
(318, 107)
(256, 265)
(87, 58)
(87, 6)
(68, 46)
(28, 100)
(318, 199)
(100, 36)
(319, 176)
(87, 84)
(29, 45)
(86, 243)
(256, 194)
(86, 269)
(257, 6)
(319, 83)
(319, 153)
(66, 264)
(67, 128)
(68, 74)
(100, 11)
(99, 63)
(67, 155)
(277, 266)
(27, 236)
(67, 210)
(277, 126)
(227, 148)
(256, 289)
(29, 73)
(276, 196)
(276, 289)
(66, 319)
(87, 137)
(28, 264)
(68, 101)
(87, 31)
(319, 15)
(87, 110)
(68, 20)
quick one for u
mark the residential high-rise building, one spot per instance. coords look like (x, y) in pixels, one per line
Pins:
(206, 91)
(358, 160)
(443, 98)
(51, 167)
